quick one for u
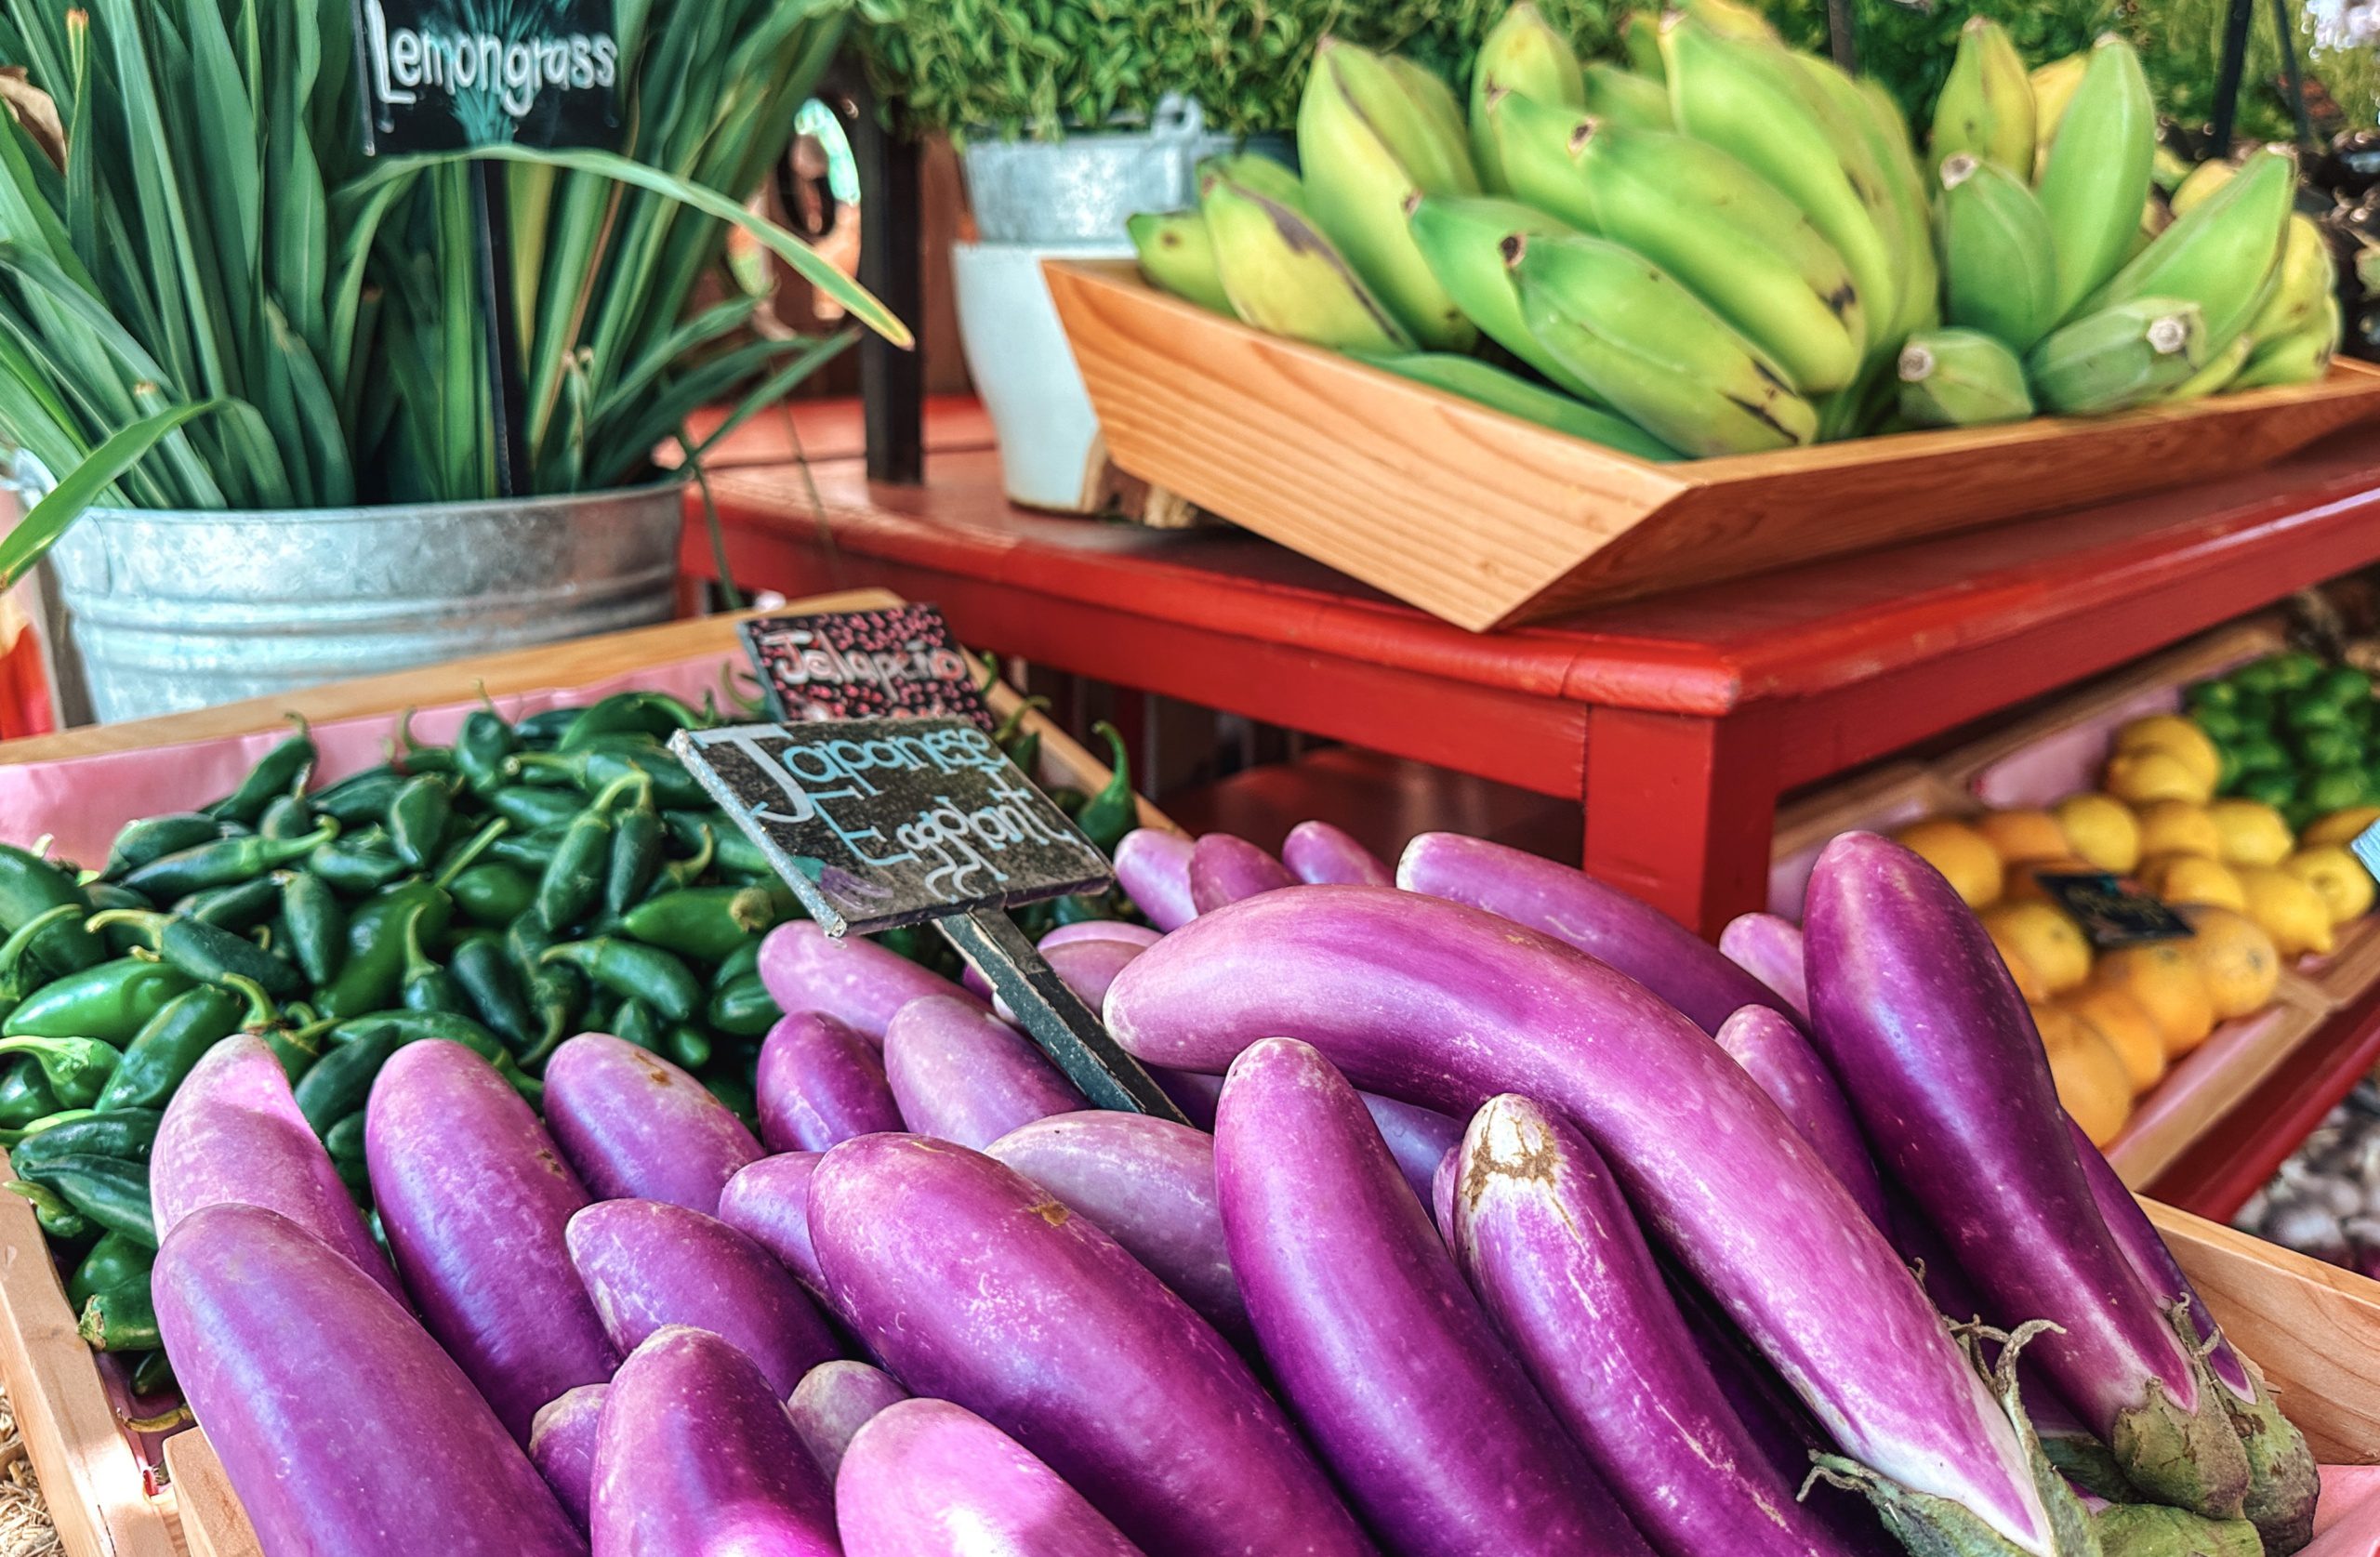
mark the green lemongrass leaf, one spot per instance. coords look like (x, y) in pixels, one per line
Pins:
(82, 151)
(363, 225)
(26, 544)
(318, 419)
(773, 389)
(857, 301)
(227, 159)
(673, 350)
(729, 595)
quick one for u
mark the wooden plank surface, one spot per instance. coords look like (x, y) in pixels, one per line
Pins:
(212, 1522)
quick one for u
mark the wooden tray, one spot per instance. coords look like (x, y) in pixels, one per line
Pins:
(106, 1498)
(1487, 521)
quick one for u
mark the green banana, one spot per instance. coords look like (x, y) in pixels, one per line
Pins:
(1731, 19)
(1515, 395)
(1462, 239)
(2218, 253)
(2096, 177)
(1985, 107)
(2305, 279)
(2167, 169)
(1177, 255)
(1283, 276)
(1259, 174)
(2053, 85)
(1706, 219)
(1519, 54)
(1905, 182)
(1955, 378)
(1751, 99)
(1658, 357)
(2301, 358)
(1999, 264)
(2119, 357)
(1640, 40)
(2199, 182)
(1371, 137)
(1624, 98)
(2221, 368)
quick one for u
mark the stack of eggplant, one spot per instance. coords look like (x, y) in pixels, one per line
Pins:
(1519, 1222)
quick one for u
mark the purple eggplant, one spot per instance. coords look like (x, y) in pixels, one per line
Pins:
(1558, 1261)
(1088, 968)
(650, 1265)
(1774, 1052)
(1418, 1138)
(1224, 868)
(1193, 1094)
(232, 1132)
(1101, 930)
(1433, 1429)
(852, 980)
(1442, 1187)
(1915, 1012)
(473, 1197)
(821, 1082)
(1439, 1004)
(1602, 921)
(562, 1445)
(2282, 1481)
(635, 1127)
(1147, 1183)
(343, 1427)
(833, 1401)
(974, 1284)
(963, 1075)
(769, 1203)
(931, 1479)
(1322, 855)
(695, 1458)
(1154, 869)
(1770, 950)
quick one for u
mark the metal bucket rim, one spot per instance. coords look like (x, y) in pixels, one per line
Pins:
(674, 486)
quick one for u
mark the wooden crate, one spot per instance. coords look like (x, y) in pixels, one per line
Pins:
(1487, 521)
(109, 1500)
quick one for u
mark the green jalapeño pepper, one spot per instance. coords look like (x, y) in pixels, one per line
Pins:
(494, 893)
(705, 923)
(359, 798)
(733, 1091)
(154, 838)
(291, 1032)
(414, 1026)
(484, 974)
(281, 771)
(1114, 811)
(558, 993)
(22, 968)
(317, 926)
(634, 1023)
(373, 970)
(126, 1135)
(743, 1009)
(240, 907)
(688, 830)
(482, 749)
(290, 816)
(76, 1069)
(598, 768)
(110, 1002)
(340, 1084)
(358, 863)
(113, 1193)
(632, 970)
(653, 714)
(60, 1220)
(25, 1095)
(120, 1319)
(168, 1045)
(223, 863)
(676, 876)
(636, 855)
(687, 1046)
(533, 810)
(418, 818)
(426, 986)
(572, 883)
(543, 731)
(208, 953)
(113, 1261)
(29, 886)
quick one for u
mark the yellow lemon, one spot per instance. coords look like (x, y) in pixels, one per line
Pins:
(2290, 912)
(2251, 832)
(2102, 830)
(2154, 774)
(2130, 1031)
(2021, 837)
(2164, 980)
(2043, 937)
(2091, 1080)
(2173, 735)
(2240, 962)
(2337, 877)
(2023, 884)
(2179, 827)
(1964, 857)
(2029, 983)
(2191, 879)
(2340, 826)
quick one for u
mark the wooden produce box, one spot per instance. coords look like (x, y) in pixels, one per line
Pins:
(1487, 521)
(110, 1493)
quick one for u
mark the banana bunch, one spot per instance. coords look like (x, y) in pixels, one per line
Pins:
(1723, 245)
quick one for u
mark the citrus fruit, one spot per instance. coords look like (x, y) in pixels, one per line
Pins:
(2130, 1031)
(2163, 980)
(2173, 735)
(2337, 877)
(2240, 962)
(2043, 937)
(1964, 857)
(2179, 827)
(2290, 912)
(2191, 879)
(2101, 829)
(2159, 773)
(2340, 826)
(2091, 1080)
(2249, 833)
(2022, 835)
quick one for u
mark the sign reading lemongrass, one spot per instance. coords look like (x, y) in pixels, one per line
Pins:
(442, 75)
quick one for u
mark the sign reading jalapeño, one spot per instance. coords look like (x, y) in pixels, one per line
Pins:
(443, 75)
(878, 823)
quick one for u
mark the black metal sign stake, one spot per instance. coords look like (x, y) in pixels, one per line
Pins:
(881, 823)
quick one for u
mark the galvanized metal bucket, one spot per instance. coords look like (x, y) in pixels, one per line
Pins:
(165, 611)
(1081, 189)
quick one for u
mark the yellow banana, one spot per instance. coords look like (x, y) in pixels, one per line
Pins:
(2218, 253)
(1742, 248)
(2098, 173)
(1624, 98)
(1520, 54)
(2217, 376)
(1986, 106)
(1905, 181)
(2053, 85)
(2167, 168)
(2307, 278)
(1732, 17)
(1955, 378)
(2301, 358)
(2199, 182)
(2119, 357)
(1649, 349)
(1283, 276)
(1462, 239)
(1177, 255)
(1640, 39)
(1515, 395)
(1371, 135)
(1274, 180)
(1999, 267)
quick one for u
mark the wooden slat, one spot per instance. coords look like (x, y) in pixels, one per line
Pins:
(213, 1523)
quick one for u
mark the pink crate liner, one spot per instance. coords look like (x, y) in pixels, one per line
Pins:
(2347, 1522)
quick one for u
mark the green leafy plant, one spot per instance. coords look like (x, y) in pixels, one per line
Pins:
(187, 224)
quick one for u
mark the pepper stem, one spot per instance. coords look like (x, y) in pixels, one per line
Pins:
(261, 1013)
(13, 949)
(480, 843)
(148, 921)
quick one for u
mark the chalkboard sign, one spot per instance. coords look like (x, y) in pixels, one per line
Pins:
(878, 823)
(446, 75)
(2113, 914)
(858, 665)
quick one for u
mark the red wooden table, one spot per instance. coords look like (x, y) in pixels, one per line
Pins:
(1677, 721)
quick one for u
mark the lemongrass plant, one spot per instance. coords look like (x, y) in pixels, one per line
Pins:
(210, 298)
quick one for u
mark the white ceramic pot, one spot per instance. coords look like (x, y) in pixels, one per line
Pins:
(1051, 452)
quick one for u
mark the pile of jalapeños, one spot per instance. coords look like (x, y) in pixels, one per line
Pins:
(530, 881)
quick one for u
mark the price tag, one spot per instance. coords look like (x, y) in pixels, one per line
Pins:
(856, 665)
(445, 76)
(2112, 913)
(2366, 846)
